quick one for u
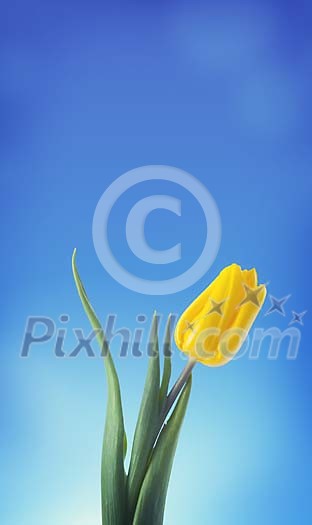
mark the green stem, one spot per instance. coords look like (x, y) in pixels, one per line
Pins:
(179, 384)
(174, 392)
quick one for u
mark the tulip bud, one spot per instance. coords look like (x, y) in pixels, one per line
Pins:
(213, 328)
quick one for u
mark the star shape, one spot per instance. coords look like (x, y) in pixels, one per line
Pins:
(251, 295)
(216, 307)
(189, 326)
(277, 305)
(297, 318)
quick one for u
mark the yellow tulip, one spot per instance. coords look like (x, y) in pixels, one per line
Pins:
(213, 328)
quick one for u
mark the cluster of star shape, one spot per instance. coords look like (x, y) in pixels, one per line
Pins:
(251, 296)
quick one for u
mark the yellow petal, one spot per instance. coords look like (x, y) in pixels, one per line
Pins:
(236, 334)
(197, 310)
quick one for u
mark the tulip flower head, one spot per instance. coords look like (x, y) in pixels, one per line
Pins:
(213, 328)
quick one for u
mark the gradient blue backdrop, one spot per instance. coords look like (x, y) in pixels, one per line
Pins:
(89, 91)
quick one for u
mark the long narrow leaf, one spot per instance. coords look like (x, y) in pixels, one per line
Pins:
(151, 503)
(113, 474)
(167, 363)
(146, 424)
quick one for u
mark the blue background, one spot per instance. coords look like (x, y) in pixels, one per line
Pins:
(89, 91)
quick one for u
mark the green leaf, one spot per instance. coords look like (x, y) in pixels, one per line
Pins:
(146, 427)
(113, 473)
(167, 363)
(151, 503)
(125, 447)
